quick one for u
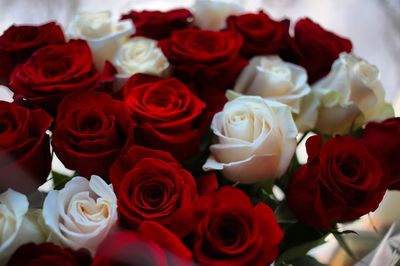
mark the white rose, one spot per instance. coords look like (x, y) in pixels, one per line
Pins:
(274, 79)
(82, 213)
(212, 14)
(18, 226)
(103, 34)
(256, 140)
(140, 55)
(350, 96)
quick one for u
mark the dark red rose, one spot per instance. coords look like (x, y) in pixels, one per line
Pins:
(168, 114)
(228, 230)
(25, 157)
(207, 183)
(261, 34)
(49, 254)
(159, 25)
(6, 67)
(319, 48)
(151, 245)
(90, 131)
(205, 57)
(18, 42)
(383, 141)
(150, 185)
(340, 182)
(55, 71)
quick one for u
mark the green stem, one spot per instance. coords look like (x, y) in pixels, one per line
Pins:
(342, 242)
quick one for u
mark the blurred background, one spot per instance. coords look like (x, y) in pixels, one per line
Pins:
(372, 25)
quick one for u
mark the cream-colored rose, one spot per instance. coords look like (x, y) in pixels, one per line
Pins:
(350, 96)
(140, 55)
(18, 226)
(82, 213)
(212, 14)
(256, 140)
(274, 79)
(103, 34)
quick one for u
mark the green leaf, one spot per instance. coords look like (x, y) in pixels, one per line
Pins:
(284, 215)
(264, 189)
(345, 232)
(283, 182)
(343, 244)
(300, 250)
(301, 261)
(195, 164)
(59, 179)
(232, 95)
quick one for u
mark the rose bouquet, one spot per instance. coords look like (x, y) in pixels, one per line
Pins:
(181, 128)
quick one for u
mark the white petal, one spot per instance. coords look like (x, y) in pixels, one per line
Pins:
(212, 14)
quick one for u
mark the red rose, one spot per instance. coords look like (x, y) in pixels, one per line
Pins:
(205, 57)
(150, 185)
(167, 112)
(25, 157)
(319, 48)
(228, 230)
(18, 42)
(260, 33)
(49, 254)
(159, 25)
(383, 141)
(151, 244)
(90, 131)
(340, 182)
(55, 71)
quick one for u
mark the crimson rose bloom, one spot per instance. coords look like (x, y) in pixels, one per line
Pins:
(319, 48)
(49, 254)
(150, 185)
(205, 57)
(260, 33)
(25, 157)
(151, 244)
(159, 25)
(340, 182)
(90, 131)
(55, 71)
(383, 141)
(167, 112)
(229, 230)
(18, 43)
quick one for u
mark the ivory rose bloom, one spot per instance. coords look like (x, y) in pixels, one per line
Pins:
(140, 55)
(212, 14)
(82, 213)
(273, 79)
(17, 225)
(256, 140)
(103, 33)
(350, 96)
